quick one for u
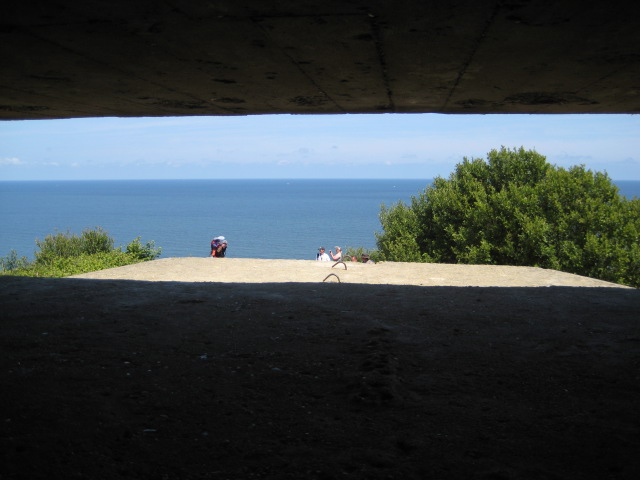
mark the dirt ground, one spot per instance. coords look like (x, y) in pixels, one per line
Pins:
(248, 369)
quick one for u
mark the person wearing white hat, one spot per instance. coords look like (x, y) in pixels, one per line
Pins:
(218, 246)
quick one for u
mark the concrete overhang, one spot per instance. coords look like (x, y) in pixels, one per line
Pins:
(94, 58)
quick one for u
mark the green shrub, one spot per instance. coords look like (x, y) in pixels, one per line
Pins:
(517, 209)
(58, 245)
(11, 262)
(64, 254)
(71, 245)
(75, 265)
(148, 251)
(96, 241)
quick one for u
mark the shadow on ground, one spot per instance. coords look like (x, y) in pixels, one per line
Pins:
(128, 379)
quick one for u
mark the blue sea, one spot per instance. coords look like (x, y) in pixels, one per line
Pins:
(259, 218)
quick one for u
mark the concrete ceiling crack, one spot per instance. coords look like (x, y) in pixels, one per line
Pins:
(379, 45)
(472, 54)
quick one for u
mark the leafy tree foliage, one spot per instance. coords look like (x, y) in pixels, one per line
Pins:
(71, 245)
(148, 251)
(13, 262)
(517, 209)
(66, 254)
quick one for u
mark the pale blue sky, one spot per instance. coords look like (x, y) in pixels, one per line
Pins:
(309, 146)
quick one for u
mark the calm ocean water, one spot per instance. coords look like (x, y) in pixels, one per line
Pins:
(260, 218)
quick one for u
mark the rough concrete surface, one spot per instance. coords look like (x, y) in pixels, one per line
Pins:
(92, 58)
(285, 377)
(248, 270)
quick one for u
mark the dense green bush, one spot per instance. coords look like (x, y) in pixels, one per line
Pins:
(13, 262)
(65, 254)
(148, 251)
(77, 264)
(71, 245)
(517, 209)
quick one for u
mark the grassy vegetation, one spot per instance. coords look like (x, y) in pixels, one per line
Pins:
(65, 254)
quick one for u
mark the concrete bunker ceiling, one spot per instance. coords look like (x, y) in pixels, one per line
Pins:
(161, 58)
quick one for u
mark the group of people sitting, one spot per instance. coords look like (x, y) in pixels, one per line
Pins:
(218, 247)
(322, 256)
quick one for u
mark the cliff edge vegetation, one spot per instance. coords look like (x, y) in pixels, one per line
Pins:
(64, 254)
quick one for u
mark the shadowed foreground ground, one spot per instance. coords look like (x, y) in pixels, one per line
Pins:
(109, 379)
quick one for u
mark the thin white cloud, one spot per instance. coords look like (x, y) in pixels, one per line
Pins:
(11, 161)
(432, 143)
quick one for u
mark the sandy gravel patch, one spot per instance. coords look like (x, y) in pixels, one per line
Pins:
(246, 270)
